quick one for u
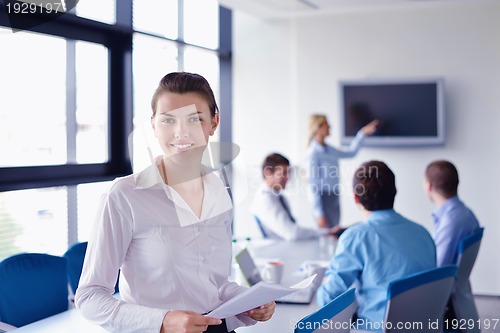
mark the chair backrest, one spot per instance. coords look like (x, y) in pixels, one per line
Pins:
(462, 299)
(419, 299)
(75, 256)
(468, 248)
(261, 228)
(33, 286)
(335, 316)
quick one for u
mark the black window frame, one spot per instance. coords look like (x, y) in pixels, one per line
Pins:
(117, 38)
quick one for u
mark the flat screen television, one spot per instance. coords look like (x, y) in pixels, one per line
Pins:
(411, 112)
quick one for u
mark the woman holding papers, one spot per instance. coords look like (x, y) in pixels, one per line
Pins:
(168, 229)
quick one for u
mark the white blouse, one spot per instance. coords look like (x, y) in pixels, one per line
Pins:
(169, 258)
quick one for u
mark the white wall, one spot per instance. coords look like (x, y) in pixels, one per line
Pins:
(285, 70)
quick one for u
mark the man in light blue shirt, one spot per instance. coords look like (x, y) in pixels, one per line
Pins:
(453, 221)
(370, 255)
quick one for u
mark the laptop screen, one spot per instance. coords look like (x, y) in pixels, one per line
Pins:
(248, 267)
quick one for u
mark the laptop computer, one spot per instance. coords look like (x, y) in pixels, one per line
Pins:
(252, 276)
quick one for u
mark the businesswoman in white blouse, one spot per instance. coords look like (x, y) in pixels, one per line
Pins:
(168, 229)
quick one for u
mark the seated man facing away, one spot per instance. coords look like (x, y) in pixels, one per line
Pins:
(271, 208)
(453, 221)
(385, 247)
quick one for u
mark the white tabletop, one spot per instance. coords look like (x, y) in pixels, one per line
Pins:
(293, 254)
(64, 322)
(284, 319)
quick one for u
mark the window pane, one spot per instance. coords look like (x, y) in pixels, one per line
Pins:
(157, 17)
(205, 63)
(33, 103)
(91, 103)
(33, 123)
(201, 23)
(89, 200)
(153, 58)
(33, 221)
(97, 10)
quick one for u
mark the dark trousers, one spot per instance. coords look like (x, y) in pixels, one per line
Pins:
(222, 328)
(331, 207)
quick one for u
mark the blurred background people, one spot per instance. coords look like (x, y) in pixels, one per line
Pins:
(323, 168)
(385, 247)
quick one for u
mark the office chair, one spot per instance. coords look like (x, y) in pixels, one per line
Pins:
(261, 228)
(75, 256)
(419, 299)
(33, 286)
(462, 300)
(333, 317)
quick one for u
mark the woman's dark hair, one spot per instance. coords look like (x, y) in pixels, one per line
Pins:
(182, 83)
(272, 161)
(375, 186)
(444, 177)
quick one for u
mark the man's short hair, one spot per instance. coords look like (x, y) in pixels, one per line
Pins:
(375, 186)
(272, 161)
(443, 177)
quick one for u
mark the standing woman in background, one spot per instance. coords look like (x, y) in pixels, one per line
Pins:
(323, 168)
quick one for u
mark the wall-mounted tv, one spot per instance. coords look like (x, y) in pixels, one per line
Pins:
(411, 112)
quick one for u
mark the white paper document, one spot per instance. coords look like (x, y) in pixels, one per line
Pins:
(260, 294)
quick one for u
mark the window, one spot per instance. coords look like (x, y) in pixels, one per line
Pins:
(156, 55)
(88, 198)
(71, 97)
(32, 107)
(36, 128)
(91, 103)
(200, 23)
(33, 220)
(157, 17)
(98, 10)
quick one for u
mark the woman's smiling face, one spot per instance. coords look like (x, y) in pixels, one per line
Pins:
(182, 123)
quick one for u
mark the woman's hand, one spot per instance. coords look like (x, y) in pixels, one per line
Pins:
(336, 231)
(262, 313)
(322, 222)
(371, 127)
(186, 322)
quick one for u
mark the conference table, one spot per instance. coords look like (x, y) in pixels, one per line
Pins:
(293, 254)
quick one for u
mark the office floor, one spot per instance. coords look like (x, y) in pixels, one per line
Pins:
(489, 308)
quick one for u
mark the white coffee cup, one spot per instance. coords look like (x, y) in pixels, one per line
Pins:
(272, 271)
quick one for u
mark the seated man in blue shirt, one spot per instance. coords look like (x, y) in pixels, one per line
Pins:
(385, 247)
(453, 221)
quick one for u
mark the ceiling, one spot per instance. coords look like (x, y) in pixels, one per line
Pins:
(293, 8)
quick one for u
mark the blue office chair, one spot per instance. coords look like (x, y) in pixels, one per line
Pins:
(419, 299)
(261, 228)
(462, 299)
(33, 286)
(333, 317)
(75, 256)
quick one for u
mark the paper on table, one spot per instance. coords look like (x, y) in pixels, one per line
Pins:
(261, 293)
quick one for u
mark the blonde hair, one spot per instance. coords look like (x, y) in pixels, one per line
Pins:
(315, 122)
